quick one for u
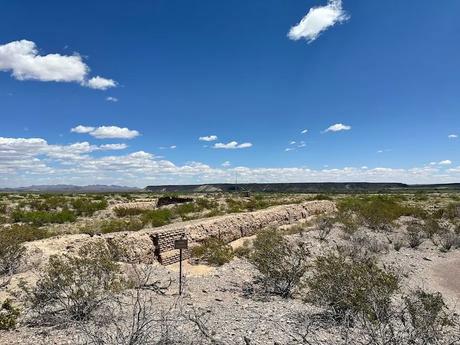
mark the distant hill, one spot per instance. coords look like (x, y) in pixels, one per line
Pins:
(64, 188)
(326, 187)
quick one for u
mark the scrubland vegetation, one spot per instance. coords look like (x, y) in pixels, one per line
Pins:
(335, 269)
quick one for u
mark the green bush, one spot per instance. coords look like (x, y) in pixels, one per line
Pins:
(8, 315)
(87, 207)
(281, 264)
(351, 288)
(213, 251)
(378, 212)
(40, 218)
(158, 217)
(77, 285)
(205, 203)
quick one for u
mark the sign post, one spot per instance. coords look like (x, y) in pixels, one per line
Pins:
(180, 244)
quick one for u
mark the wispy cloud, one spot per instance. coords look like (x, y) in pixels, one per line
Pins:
(22, 59)
(111, 99)
(226, 164)
(452, 136)
(317, 20)
(106, 132)
(208, 138)
(304, 131)
(232, 145)
(337, 128)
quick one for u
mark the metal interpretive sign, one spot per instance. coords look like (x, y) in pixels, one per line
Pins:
(181, 244)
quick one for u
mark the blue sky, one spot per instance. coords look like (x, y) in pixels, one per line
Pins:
(145, 80)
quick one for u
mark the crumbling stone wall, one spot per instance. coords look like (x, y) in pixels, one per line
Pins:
(157, 244)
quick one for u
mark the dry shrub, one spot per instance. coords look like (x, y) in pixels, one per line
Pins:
(351, 288)
(449, 240)
(324, 224)
(11, 248)
(415, 235)
(281, 264)
(363, 245)
(75, 286)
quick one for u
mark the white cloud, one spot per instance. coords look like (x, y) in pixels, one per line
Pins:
(107, 132)
(302, 144)
(25, 161)
(111, 99)
(445, 162)
(208, 138)
(112, 132)
(292, 143)
(452, 136)
(287, 149)
(226, 164)
(304, 131)
(232, 145)
(22, 59)
(100, 83)
(82, 129)
(172, 147)
(113, 146)
(338, 127)
(317, 20)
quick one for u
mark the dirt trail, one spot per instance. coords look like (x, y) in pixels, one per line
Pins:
(446, 276)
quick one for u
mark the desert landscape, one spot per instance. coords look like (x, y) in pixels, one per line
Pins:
(260, 268)
(229, 172)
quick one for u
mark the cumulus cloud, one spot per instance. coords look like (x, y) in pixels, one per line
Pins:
(232, 145)
(337, 128)
(317, 20)
(111, 99)
(452, 136)
(208, 138)
(82, 129)
(100, 83)
(22, 59)
(107, 132)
